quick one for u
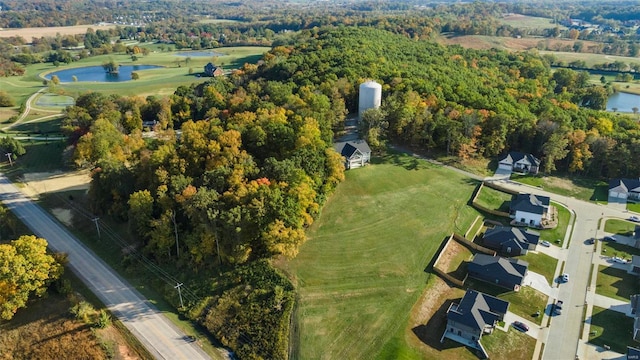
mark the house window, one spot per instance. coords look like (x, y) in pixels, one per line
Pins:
(531, 222)
(522, 220)
(459, 333)
(451, 330)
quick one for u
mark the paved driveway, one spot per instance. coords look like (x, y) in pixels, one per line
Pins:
(540, 283)
(509, 318)
(553, 251)
(500, 174)
(612, 304)
(617, 203)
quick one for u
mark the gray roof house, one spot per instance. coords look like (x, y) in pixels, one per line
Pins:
(521, 162)
(624, 189)
(511, 241)
(356, 153)
(529, 209)
(506, 273)
(476, 314)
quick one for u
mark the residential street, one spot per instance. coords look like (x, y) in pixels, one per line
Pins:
(154, 330)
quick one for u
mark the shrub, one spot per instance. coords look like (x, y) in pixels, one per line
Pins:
(6, 100)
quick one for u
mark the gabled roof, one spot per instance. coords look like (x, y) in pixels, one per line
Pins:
(534, 204)
(515, 156)
(348, 148)
(477, 310)
(506, 234)
(499, 265)
(624, 185)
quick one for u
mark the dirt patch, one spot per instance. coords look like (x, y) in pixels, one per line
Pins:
(41, 183)
(559, 183)
(63, 215)
(38, 32)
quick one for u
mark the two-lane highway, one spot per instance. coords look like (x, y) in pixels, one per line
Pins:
(155, 331)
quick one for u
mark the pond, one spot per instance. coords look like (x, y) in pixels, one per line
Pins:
(623, 102)
(200, 54)
(97, 73)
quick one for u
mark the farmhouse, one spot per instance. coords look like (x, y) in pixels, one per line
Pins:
(624, 189)
(212, 70)
(476, 314)
(511, 241)
(506, 273)
(529, 209)
(520, 162)
(356, 153)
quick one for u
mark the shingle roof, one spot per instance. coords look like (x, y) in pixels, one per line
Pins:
(502, 234)
(515, 156)
(534, 204)
(348, 148)
(493, 264)
(633, 353)
(477, 310)
(624, 185)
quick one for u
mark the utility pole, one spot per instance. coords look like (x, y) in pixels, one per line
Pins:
(95, 221)
(179, 293)
(9, 157)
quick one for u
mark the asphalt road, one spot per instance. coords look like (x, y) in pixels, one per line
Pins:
(161, 338)
(564, 333)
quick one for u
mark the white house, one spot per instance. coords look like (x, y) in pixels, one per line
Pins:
(520, 162)
(356, 153)
(530, 209)
(624, 189)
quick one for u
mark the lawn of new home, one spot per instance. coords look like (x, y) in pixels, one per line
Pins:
(363, 267)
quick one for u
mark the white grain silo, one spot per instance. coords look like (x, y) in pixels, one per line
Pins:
(370, 96)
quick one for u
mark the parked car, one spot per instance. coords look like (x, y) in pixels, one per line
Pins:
(520, 326)
(565, 277)
(619, 260)
(634, 219)
(591, 241)
(545, 243)
(609, 238)
(559, 304)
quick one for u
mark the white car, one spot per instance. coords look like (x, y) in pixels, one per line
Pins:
(619, 260)
(565, 277)
(545, 243)
(634, 219)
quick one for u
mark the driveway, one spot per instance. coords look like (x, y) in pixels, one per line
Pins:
(500, 174)
(540, 283)
(509, 318)
(617, 203)
(553, 251)
(612, 304)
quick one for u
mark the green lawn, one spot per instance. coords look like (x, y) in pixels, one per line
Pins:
(621, 227)
(164, 81)
(611, 328)
(558, 233)
(542, 264)
(589, 58)
(362, 269)
(529, 22)
(635, 207)
(509, 345)
(619, 250)
(494, 199)
(616, 283)
(574, 186)
(41, 156)
(524, 302)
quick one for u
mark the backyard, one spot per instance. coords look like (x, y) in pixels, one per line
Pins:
(616, 283)
(364, 265)
(542, 264)
(611, 328)
(494, 199)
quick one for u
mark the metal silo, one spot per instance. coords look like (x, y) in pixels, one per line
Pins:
(370, 96)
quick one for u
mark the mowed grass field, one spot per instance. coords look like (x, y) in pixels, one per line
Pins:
(363, 267)
(529, 22)
(160, 82)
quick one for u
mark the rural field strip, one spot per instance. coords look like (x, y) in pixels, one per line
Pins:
(161, 338)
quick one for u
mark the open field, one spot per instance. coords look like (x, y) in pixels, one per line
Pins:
(577, 187)
(38, 32)
(618, 226)
(616, 283)
(611, 328)
(363, 267)
(528, 22)
(589, 58)
(161, 82)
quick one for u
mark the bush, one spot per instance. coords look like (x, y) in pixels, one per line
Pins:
(83, 311)
(104, 319)
(6, 100)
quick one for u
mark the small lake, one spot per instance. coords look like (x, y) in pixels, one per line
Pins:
(200, 54)
(97, 73)
(623, 102)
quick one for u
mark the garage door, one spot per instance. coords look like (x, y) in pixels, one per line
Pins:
(504, 166)
(618, 195)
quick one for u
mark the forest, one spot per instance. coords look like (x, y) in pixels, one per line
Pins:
(239, 166)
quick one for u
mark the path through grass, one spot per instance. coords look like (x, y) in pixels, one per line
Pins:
(362, 269)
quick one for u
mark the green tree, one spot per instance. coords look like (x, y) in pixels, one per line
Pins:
(135, 76)
(554, 149)
(55, 80)
(140, 212)
(25, 269)
(6, 100)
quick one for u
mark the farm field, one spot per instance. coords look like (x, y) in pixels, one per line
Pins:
(485, 42)
(28, 33)
(589, 58)
(363, 267)
(529, 22)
